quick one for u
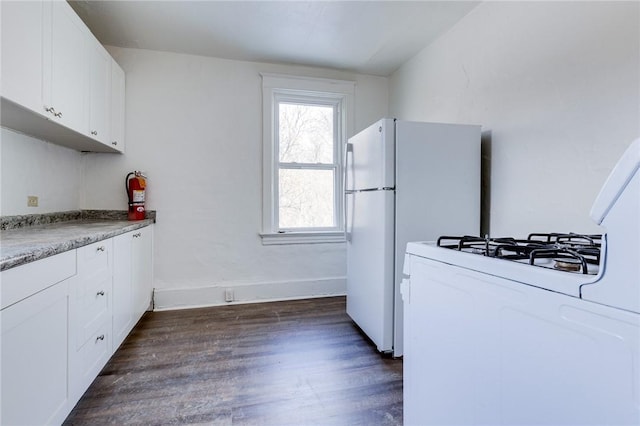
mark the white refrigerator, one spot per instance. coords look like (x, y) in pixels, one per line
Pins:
(404, 181)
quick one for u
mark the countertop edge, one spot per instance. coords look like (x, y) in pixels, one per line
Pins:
(69, 244)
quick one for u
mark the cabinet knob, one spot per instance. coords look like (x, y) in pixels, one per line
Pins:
(139, 234)
(114, 143)
(100, 293)
(101, 248)
(100, 337)
(58, 114)
(94, 133)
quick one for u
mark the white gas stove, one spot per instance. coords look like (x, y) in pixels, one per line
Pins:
(539, 330)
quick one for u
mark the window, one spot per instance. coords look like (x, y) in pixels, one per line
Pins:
(304, 135)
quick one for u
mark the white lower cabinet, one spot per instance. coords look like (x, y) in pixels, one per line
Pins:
(35, 343)
(122, 289)
(90, 315)
(61, 320)
(132, 277)
(142, 270)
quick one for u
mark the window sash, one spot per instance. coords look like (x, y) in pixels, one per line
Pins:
(309, 100)
(337, 197)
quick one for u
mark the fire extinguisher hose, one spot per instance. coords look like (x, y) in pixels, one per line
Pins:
(126, 186)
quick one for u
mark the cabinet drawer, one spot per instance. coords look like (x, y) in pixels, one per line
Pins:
(23, 281)
(92, 292)
(92, 357)
(93, 296)
(95, 258)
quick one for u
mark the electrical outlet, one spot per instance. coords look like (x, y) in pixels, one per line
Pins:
(228, 295)
(32, 201)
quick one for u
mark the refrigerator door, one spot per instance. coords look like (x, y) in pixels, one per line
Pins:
(370, 268)
(371, 157)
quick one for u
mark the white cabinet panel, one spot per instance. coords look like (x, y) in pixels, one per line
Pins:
(87, 361)
(99, 91)
(142, 270)
(64, 90)
(21, 282)
(34, 358)
(123, 320)
(132, 280)
(117, 106)
(22, 61)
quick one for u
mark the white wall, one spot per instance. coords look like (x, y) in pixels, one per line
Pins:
(33, 167)
(194, 124)
(555, 86)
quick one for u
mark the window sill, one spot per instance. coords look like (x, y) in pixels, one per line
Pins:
(302, 238)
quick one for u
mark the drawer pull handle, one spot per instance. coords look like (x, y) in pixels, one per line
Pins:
(100, 337)
(101, 248)
(100, 293)
(139, 234)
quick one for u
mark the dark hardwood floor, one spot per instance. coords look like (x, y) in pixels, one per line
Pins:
(299, 362)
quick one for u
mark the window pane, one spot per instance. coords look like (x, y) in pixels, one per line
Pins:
(306, 198)
(305, 133)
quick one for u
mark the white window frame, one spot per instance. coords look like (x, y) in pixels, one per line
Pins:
(278, 88)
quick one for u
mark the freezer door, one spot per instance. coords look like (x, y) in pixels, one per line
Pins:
(371, 157)
(370, 265)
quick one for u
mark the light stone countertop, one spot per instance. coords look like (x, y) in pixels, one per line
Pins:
(22, 245)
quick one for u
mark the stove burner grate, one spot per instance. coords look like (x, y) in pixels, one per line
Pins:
(569, 252)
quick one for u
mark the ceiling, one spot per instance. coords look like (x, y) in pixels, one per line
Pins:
(370, 37)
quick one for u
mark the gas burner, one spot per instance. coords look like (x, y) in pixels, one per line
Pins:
(564, 252)
(567, 264)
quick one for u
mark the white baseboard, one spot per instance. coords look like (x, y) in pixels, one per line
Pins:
(184, 298)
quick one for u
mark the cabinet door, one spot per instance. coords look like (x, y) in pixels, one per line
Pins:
(66, 65)
(34, 358)
(142, 270)
(117, 106)
(123, 320)
(22, 45)
(99, 91)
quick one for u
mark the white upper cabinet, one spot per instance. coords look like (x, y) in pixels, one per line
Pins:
(22, 46)
(66, 68)
(117, 106)
(99, 91)
(56, 77)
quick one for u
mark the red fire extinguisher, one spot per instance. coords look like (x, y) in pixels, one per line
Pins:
(135, 192)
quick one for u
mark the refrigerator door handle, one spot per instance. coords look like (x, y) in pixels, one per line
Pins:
(348, 148)
(384, 188)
